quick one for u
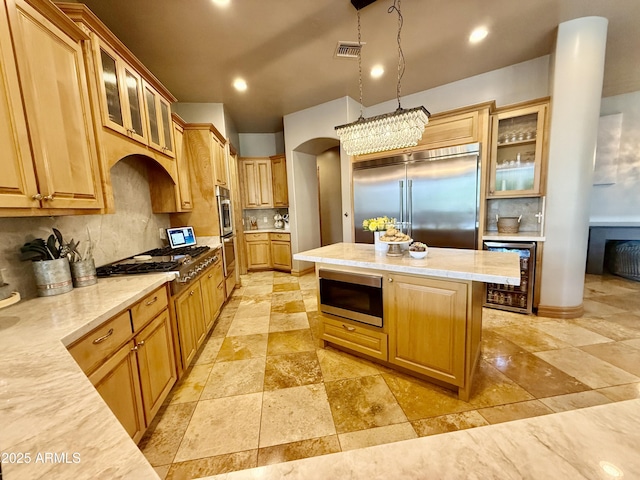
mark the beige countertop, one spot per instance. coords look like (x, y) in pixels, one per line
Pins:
(513, 237)
(47, 404)
(459, 264)
(268, 230)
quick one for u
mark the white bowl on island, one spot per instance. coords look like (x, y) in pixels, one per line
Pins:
(418, 254)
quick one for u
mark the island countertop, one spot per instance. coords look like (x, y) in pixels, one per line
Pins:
(452, 263)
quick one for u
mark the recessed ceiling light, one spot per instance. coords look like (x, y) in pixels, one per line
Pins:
(239, 84)
(377, 71)
(222, 3)
(478, 35)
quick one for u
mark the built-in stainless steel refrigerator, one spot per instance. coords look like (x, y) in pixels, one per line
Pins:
(437, 191)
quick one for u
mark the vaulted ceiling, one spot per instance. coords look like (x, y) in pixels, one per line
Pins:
(284, 49)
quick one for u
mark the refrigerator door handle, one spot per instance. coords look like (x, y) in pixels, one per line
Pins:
(401, 215)
(410, 204)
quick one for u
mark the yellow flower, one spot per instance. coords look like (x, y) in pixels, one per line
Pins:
(373, 225)
(365, 224)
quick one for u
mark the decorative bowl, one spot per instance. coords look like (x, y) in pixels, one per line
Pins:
(418, 254)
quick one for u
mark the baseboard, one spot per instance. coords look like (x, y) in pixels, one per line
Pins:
(560, 312)
(297, 273)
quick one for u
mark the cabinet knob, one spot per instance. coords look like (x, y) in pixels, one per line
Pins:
(37, 196)
(134, 349)
(349, 328)
(210, 275)
(47, 197)
(140, 344)
(191, 293)
(390, 279)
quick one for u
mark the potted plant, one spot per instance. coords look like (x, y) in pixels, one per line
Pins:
(378, 226)
(50, 263)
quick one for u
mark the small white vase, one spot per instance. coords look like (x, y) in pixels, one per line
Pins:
(379, 245)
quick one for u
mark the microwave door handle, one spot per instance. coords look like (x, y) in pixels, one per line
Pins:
(401, 215)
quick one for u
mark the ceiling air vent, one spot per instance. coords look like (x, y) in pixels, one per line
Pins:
(348, 49)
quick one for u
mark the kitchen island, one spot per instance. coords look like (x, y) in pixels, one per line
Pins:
(429, 321)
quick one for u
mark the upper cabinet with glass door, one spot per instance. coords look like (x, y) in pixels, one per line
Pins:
(122, 99)
(158, 112)
(518, 141)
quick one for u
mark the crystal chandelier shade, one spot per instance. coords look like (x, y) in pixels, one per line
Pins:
(400, 129)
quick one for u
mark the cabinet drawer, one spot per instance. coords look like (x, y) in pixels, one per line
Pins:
(148, 307)
(286, 237)
(255, 237)
(100, 343)
(355, 337)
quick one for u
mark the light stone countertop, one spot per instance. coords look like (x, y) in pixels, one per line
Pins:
(459, 264)
(593, 443)
(47, 404)
(268, 230)
(513, 237)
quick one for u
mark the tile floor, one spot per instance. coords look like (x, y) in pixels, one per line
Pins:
(261, 391)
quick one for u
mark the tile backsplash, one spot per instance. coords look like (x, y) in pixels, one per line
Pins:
(134, 228)
(514, 207)
(263, 216)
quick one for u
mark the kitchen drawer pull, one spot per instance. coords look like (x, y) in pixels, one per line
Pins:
(349, 328)
(104, 337)
(151, 302)
(191, 293)
(210, 275)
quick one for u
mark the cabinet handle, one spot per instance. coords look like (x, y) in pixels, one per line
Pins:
(140, 344)
(47, 197)
(186, 203)
(349, 328)
(135, 349)
(390, 279)
(37, 196)
(210, 275)
(151, 302)
(104, 337)
(191, 293)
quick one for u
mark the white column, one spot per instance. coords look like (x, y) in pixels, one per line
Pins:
(578, 68)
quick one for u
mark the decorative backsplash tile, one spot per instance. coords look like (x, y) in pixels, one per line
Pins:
(134, 228)
(263, 216)
(514, 207)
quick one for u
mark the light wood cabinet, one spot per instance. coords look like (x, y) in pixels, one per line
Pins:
(219, 161)
(212, 284)
(258, 252)
(256, 182)
(517, 163)
(156, 363)
(190, 317)
(355, 336)
(118, 383)
(185, 203)
(158, 114)
(279, 181)
(280, 251)
(51, 76)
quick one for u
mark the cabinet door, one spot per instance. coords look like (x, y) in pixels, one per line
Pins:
(281, 254)
(53, 78)
(17, 177)
(133, 100)
(220, 161)
(166, 126)
(426, 321)
(264, 187)
(249, 177)
(110, 87)
(188, 312)
(209, 298)
(517, 138)
(259, 254)
(184, 182)
(279, 173)
(152, 110)
(118, 384)
(156, 362)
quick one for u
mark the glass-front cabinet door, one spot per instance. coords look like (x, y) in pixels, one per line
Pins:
(517, 154)
(167, 128)
(110, 86)
(158, 112)
(133, 97)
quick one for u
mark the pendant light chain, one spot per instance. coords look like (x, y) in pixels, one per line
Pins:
(360, 63)
(401, 62)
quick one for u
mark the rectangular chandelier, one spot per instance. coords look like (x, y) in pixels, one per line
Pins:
(400, 129)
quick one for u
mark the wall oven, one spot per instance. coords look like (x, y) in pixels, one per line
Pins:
(354, 296)
(224, 211)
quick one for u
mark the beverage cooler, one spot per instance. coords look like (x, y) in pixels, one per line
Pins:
(511, 297)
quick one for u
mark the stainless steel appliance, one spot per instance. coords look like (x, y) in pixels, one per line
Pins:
(354, 296)
(437, 191)
(223, 196)
(510, 297)
(187, 262)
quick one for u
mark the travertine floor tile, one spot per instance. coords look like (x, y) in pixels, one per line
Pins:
(573, 401)
(586, 368)
(209, 351)
(616, 327)
(493, 318)
(243, 347)
(254, 290)
(255, 299)
(285, 287)
(448, 423)
(205, 467)
(190, 387)
(376, 436)
(161, 442)
(621, 392)
(619, 354)
(495, 345)
(595, 308)
(281, 322)
(250, 310)
(249, 325)
(421, 399)
(490, 387)
(363, 402)
(296, 450)
(629, 303)
(281, 278)
(337, 365)
(635, 343)
(294, 414)
(287, 302)
(290, 341)
(536, 376)
(291, 370)
(530, 338)
(514, 411)
(222, 425)
(234, 378)
(571, 333)
(162, 471)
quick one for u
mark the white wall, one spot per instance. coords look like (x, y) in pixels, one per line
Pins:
(330, 194)
(620, 202)
(203, 113)
(305, 190)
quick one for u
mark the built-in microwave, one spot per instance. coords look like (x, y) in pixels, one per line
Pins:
(354, 296)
